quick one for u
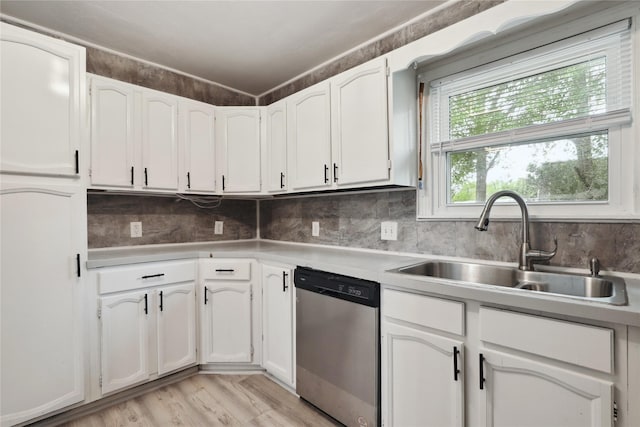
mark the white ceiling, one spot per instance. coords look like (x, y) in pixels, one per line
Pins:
(251, 46)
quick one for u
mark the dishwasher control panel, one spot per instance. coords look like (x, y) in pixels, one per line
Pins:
(336, 285)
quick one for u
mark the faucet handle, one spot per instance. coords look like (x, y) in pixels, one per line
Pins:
(594, 266)
(541, 255)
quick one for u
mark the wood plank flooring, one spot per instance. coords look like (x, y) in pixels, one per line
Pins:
(211, 400)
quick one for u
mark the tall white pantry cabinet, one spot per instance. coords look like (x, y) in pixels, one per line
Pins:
(43, 214)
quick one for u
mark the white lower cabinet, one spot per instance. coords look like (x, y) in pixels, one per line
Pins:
(517, 370)
(521, 392)
(43, 234)
(422, 378)
(226, 311)
(125, 339)
(147, 322)
(278, 323)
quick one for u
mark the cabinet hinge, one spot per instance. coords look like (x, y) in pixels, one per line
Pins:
(252, 351)
(615, 411)
(99, 313)
(389, 164)
(251, 294)
(388, 71)
(100, 381)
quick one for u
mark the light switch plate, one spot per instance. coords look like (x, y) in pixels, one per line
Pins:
(389, 230)
(315, 228)
(218, 227)
(136, 229)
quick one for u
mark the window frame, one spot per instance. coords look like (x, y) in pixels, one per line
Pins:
(623, 139)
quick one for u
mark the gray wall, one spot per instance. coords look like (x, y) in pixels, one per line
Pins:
(353, 220)
(165, 220)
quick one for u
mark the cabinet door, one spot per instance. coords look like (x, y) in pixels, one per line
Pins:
(227, 322)
(522, 392)
(359, 122)
(43, 232)
(198, 172)
(277, 147)
(159, 140)
(277, 323)
(176, 327)
(238, 133)
(419, 384)
(42, 97)
(112, 133)
(309, 141)
(125, 339)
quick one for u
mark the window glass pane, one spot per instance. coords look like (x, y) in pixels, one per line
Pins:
(574, 168)
(570, 92)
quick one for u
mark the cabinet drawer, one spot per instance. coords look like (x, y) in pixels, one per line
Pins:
(226, 269)
(435, 313)
(582, 345)
(145, 275)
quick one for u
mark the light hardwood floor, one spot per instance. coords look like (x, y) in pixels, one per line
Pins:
(211, 400)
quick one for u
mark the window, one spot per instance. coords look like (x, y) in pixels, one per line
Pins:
(552, 123)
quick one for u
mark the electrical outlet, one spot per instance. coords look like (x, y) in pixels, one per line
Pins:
(315, 228)
(389, 230)
(217, 227)
(136, 229)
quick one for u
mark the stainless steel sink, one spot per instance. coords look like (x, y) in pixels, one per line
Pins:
(604, 289)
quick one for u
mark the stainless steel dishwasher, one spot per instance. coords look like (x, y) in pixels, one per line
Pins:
(338, 345)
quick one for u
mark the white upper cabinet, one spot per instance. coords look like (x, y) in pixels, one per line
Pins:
(276, 147)
(309, 139)
(159, 140)
(42, 103)
(197, 142)
(359, 125)
(238, 140)
(112, 132)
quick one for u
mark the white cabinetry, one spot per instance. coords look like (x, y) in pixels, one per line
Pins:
(125, 339)
(147, 322)
(43, 224)
(276, 141)
(159, 140)
(277, 323)
(197, 166)
(517, 369)
(42, 96)
(238, 140)
(226, 311)
(113, 133)
(422, 375)
(309, 138)
(359, 123)
(43, 250)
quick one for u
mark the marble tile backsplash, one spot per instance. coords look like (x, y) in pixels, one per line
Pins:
(165, 220)
(353, 220)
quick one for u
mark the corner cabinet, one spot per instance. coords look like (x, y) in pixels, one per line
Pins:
(278, 323)
(276, 148)
(43, 96)
(238, 139)
(226, 294)
(359, 123)
(309, 138)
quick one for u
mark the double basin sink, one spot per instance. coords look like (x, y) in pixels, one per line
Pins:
(603, 289)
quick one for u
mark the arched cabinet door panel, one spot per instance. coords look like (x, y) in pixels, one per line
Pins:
(42, 97)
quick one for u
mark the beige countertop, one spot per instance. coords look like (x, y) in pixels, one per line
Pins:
(375, 265)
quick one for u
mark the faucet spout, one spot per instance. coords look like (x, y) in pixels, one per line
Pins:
(526, 256)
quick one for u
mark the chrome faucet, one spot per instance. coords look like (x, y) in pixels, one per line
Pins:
(527, 255)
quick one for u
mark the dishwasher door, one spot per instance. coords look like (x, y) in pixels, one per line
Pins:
(338, 354)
